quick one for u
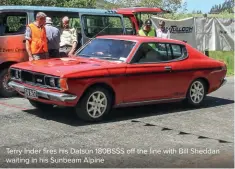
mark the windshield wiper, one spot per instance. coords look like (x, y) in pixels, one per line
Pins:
(107, 57)
(87, 56)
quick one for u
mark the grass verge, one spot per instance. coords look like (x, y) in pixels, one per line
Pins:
(227, 57)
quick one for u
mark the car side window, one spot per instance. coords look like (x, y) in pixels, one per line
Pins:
(159, 52)
(177, 51)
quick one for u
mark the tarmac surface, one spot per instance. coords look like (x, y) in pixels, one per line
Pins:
(164, 135)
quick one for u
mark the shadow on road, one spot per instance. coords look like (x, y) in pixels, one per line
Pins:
(68, 116)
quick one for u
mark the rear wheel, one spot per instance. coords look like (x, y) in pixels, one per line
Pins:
(5, 89)
(196, 92)
(41, 106)
(94, 105)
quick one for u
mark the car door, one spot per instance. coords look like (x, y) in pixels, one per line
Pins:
(147, 82)
(93, 25)
(148, 78)
(165, 77)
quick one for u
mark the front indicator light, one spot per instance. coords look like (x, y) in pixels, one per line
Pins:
(63, 84)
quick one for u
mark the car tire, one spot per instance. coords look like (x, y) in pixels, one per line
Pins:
(41, 106)
(196, 93)
(94, 105)
(5, 89)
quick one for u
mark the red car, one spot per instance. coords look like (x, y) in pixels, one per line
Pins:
(115, 71)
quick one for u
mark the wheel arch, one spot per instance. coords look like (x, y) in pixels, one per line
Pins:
(205, 80)
(7, 64)
(4, 91)
(103, 85)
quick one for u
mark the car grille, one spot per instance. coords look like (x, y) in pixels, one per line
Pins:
(32, 78)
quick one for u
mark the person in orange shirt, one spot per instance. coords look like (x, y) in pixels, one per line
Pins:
(36, 39)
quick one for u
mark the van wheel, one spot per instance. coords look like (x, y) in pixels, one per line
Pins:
(41, 106)
(94, 105)
(5, 89)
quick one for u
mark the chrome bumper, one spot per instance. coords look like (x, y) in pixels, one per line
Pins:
(224, 81)
(46, 95)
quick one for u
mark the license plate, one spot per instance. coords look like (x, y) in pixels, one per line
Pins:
(30, 93)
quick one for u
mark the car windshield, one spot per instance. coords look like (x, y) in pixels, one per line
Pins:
(109, 49)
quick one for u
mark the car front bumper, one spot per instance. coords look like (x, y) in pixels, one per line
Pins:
(53, 96)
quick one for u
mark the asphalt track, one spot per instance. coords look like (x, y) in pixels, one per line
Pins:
(163, 135)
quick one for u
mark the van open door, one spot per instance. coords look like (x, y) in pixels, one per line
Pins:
(135, 14)
(93, 25)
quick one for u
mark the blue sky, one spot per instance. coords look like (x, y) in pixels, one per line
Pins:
(203, 5)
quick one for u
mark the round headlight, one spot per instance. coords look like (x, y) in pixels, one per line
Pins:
(52, 82)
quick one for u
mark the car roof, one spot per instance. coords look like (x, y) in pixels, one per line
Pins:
(55, 9)
(140, 38)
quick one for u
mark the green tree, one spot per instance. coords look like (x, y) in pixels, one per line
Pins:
(58, 3)
(172, 5)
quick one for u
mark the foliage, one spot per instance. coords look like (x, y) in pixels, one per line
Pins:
(225, 56)
(172, 5)
(188, 15)
(196, 12)
(228, 6)
(58, 3)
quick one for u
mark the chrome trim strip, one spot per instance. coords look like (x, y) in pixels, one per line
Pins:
(148, 101)
(46, 95)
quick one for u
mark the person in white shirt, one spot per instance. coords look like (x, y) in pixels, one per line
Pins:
(68, 42)
(162, 32)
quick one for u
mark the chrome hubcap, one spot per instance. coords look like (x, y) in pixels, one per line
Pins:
(197, 92)
(96, 104)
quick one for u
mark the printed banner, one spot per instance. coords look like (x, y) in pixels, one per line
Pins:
(202, 33)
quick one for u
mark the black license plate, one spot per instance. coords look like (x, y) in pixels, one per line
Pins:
(30, 93)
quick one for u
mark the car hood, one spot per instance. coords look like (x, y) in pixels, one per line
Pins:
(65, 67)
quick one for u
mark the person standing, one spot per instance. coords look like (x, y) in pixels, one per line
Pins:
(36, 40)
(53, 38)
(147, 29)
(162, 32)
(68, 39)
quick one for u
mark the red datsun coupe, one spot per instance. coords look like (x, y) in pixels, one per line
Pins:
(119, 70)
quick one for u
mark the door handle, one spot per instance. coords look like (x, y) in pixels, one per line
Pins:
(24, 41)
(168, 68)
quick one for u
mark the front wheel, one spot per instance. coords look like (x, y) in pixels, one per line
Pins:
(94, 105)
(196, 92)
(5, 89)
